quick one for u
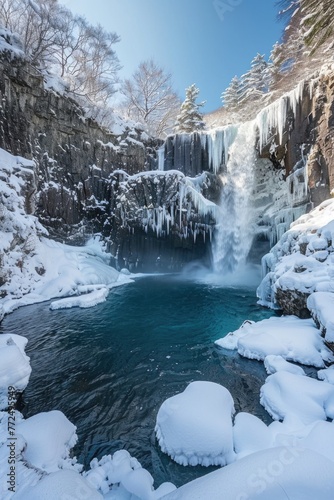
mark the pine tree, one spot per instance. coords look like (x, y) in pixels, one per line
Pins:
(318, 21)
(190, 119)
(254, 83)
(231, 96)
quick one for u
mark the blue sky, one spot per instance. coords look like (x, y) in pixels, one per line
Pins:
(205, 42)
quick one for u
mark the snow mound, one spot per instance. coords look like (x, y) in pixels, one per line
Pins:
(277, 474)
(63, 484)
(15, 367)
(195, 426)
(321, 306)
(327, 374)
(296, 398)
(275, 364)
(250, 434)
(49, 437)
(320, 439)
(126, 476)
(90, 299)
(290, 337)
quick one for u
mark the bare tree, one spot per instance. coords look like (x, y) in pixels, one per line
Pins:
(67, 45)
(150, 98)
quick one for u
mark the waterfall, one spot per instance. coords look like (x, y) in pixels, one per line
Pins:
(234, 230)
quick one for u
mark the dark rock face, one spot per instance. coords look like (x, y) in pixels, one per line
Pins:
(83, 180)
(293, 302)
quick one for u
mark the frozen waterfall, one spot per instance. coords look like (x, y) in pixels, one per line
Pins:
(234, 230)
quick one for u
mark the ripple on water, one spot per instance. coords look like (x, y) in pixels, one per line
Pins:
(109, 368)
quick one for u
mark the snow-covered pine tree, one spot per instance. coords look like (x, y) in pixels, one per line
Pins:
(254, 83)
(231, 96)
(276, 60)
(318, 21)
(190, 119)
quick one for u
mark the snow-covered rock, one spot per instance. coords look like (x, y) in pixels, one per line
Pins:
(49, 437)
(195, 426)
(292, 338)
(321, 306)
(327, 374)
(14, 365)
(275, 364)
(302, 262)
(297, 398)
(250, 434)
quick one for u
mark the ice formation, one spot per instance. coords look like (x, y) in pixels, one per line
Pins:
(182, 198)
(273, 117)
(303, 258)
(195, 426)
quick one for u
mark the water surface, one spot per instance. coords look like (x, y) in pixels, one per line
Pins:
(109, 368)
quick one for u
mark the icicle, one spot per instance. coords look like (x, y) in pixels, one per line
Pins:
(161, 157)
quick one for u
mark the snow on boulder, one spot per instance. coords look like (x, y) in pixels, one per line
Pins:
(288, 336)
(124, 475)
(280, 473)
(195, 426)
(321, 306)
(63, 484)
(49, 436)
(250, 434)
(291, 397)
(327, 374)
(275, 364)
(14, 365)
(320, 439)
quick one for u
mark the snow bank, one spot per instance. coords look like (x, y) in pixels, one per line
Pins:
(34, 268)
(195, 426)
(321, 306)
(63, 484)
(277, 474)
(14, 365)
(290, 337)
(90, 299)
(291, 397)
